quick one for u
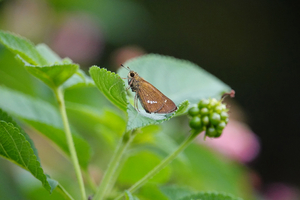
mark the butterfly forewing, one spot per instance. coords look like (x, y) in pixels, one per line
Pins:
(153, 101)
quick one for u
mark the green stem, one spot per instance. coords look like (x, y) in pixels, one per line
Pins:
(159, 167)
(70, 142)
(113, 165)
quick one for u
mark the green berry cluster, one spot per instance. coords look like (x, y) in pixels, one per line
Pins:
(210, 115)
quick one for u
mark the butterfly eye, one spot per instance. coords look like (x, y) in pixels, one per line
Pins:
(131, 74)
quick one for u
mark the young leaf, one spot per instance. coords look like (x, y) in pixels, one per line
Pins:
(111, 85)
(15, 147)
(23, 47)
(53, 75)
(178, 79)
(210, 196)
(45, 118)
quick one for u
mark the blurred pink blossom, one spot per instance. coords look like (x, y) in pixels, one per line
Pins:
(237, 142)
(79, 38)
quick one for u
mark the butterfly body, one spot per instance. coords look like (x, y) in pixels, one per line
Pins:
(152, 100)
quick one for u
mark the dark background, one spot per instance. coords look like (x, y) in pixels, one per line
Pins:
(253, 46)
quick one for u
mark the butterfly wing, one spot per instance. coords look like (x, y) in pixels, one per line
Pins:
(152, 100)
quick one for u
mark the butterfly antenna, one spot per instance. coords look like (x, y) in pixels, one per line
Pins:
(125, 67)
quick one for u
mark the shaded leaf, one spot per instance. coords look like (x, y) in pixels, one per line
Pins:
(111, 85)
(45, 118)
(15, 147)
(23, 47)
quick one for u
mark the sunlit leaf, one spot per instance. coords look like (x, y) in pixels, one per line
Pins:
(23, 47)
(111, 85)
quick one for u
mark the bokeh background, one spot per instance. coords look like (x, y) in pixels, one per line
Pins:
(253, 46)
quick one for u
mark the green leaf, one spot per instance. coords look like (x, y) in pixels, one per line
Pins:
(5, 117)
(15, 147)
(45, 118)
(178, 79)
(210, 196)
(111, 85)
(22, 47)
(52, 75)
(175, 192)
(139, 119)
(48, 54)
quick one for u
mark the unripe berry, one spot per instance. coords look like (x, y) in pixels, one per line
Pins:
(204, 111)
(193, 111)
(195, 122)
(211, 132)
(203, 103)
(224, 115)
(214, 118)
(205, 120)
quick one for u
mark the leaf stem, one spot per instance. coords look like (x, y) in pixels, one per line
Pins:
(160, 166)
(62, 108)
(108, 177)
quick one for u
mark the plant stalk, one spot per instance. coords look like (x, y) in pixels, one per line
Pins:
(160, 166)
(108, 177)
(70, 142)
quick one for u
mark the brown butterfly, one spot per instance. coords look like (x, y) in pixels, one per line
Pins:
(152, 100)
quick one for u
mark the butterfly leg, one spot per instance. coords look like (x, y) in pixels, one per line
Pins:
(136, 103)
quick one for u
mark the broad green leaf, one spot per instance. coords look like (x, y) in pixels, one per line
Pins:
(52, 75)
(43, 117)
(175, 192)
(178, 79)
(139, 119)
(15, 147)
(111, 85)
(210, 196)
(22, 47)
(5, 117)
